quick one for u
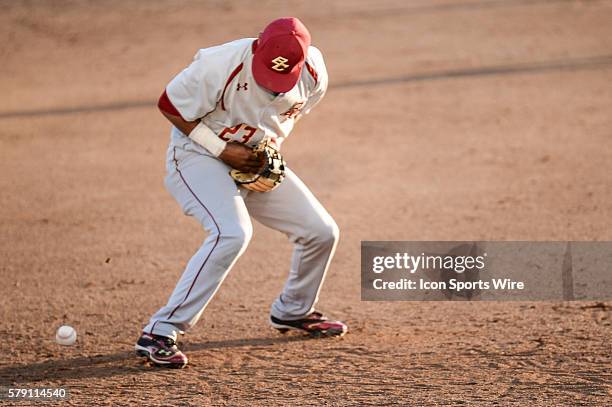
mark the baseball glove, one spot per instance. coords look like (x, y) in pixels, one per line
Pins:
(269, 176)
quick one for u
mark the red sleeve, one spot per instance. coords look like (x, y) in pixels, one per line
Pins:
(165, 105)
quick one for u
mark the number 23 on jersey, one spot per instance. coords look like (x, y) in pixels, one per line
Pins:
(241, 129)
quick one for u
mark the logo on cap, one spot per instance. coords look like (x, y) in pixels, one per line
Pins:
(280, 64)
(280, 53)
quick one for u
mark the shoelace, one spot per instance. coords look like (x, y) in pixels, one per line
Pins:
(169, 342)
(317, 316)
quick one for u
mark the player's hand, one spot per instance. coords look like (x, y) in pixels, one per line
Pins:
(242, 158)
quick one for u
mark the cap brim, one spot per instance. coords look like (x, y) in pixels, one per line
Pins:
(276, 82)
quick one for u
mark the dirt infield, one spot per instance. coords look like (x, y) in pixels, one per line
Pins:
(445, 120)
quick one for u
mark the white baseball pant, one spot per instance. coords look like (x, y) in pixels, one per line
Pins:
(202, 186)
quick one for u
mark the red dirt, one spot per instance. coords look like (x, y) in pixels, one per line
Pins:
(90, 237)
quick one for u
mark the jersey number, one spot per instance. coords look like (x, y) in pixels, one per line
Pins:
(248, 132)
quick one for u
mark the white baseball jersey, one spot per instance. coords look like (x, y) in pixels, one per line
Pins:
(219, 88)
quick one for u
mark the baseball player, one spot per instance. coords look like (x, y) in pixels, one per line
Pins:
(231, 110)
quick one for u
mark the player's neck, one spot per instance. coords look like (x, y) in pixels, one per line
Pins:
(268, 91)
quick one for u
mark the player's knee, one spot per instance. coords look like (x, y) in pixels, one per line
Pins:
(237, 238)
(326, 232)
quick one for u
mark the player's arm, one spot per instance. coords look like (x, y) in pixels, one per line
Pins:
(235, 155)
(318, 73)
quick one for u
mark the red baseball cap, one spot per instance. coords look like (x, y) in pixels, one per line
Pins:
(280, 53)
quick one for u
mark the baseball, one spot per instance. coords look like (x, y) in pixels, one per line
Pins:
(66, 335)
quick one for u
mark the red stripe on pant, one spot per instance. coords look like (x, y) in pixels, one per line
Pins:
(211, 251)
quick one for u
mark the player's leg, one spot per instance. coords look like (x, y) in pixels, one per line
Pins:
(203, 188)
(292, 209)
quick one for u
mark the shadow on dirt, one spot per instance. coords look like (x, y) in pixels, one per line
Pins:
(116, 364)
(594, 62)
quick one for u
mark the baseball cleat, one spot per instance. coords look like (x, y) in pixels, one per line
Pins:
(314, 324)
(161, 351)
